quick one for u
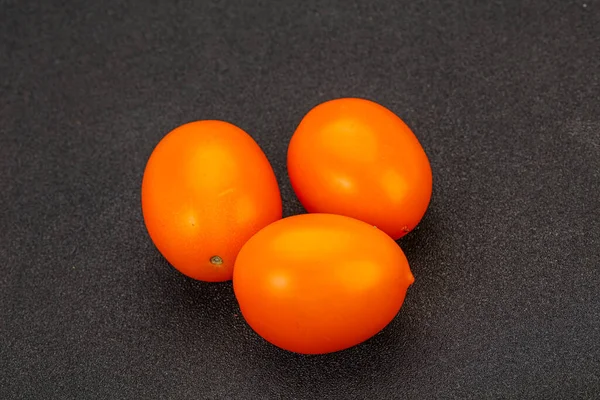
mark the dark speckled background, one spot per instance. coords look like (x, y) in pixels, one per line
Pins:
(504, 96)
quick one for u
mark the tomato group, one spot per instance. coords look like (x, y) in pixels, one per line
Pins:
(319, 283)
(355, 157)
(207, 188)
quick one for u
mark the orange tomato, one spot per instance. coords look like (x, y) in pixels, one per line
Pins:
(356, 158)
(207, 188)
(319, 283)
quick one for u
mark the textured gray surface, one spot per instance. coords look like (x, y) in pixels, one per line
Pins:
(503, 95)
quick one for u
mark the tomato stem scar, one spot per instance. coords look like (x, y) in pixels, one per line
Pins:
(216, 260)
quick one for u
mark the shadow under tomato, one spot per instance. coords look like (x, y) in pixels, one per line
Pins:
(291, 204)
(361, 368)
(401, 346)
(194, 308)
(422, 242)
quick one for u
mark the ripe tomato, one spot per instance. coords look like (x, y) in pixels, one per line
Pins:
(319, 283)
(356, 158)
(207, 188)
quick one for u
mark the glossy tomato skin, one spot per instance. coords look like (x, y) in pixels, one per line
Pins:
(207, 188)
(355, 157)
(320, 283)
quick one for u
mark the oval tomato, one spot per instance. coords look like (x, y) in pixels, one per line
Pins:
(319, 283)
(356, 158)
(207, 188)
